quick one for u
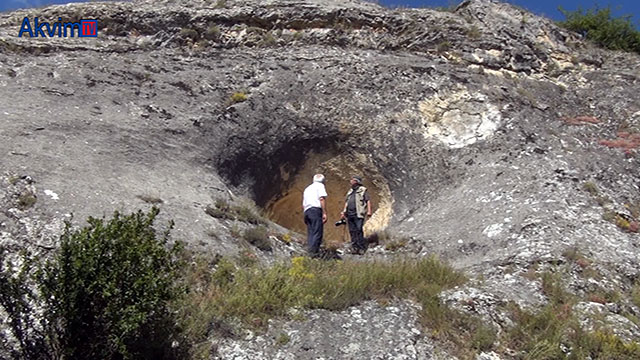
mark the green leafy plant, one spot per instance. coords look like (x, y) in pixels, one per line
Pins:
(600, 27)
(108, 288)
(17, 299)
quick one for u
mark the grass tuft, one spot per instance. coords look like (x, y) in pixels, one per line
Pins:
(26, 200)
(258, 237)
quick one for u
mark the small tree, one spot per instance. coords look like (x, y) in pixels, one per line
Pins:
(107, 290)
(105, 294)
(598, 26)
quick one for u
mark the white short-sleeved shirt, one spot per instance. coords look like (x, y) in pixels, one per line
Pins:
(312, 194)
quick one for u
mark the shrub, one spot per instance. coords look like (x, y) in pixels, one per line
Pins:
(574, 254)
(213, 32)
(107, 290)
(395, 245)
(189, 34)
(591, 188)
(443, 47)
(283, 339)
(220, 4)
(483, 337)
(391, 242)
(13, 179)
(258, 237)
(218, 213)
(474, 32)
(16, 299)
(222, 210)
(246, 214)
(238, 96)
(268, 39)
(598, 26)
(26, 200)
(635, 295)
(553, 289)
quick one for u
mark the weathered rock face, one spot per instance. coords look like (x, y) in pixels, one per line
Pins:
(480, 128)
(368, 331)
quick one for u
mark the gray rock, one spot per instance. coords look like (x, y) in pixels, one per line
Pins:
(368, 331)
(471, 121)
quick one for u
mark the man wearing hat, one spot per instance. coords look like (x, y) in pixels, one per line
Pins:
(356, 206)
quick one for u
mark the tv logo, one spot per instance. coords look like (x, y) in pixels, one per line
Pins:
(84, 28)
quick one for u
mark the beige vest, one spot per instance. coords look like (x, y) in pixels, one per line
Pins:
(361, 205)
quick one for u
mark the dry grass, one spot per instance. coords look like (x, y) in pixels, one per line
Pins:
(26, 200)
(244, 213)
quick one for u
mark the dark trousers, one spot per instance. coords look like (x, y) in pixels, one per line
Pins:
(355, 230)
(313, 220)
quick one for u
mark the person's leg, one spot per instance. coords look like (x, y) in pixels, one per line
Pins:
(307, 221)
(353, 231)
(360, 233)
(315, 230)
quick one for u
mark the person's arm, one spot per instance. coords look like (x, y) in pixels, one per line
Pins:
(324, 210)
(368, 201)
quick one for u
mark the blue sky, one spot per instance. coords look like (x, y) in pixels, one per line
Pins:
(548, 8)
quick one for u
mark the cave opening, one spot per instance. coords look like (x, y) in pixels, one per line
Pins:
(277, 182)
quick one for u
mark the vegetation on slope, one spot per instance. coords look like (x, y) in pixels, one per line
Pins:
(599, 26)
(116, 290)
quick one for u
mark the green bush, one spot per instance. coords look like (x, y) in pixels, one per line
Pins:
(104, 294)
(108, 288)
(598, 26)
(16, 299)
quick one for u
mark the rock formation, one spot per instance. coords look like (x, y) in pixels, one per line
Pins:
(489, 135)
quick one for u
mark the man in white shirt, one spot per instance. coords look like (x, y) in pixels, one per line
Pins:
(315, 213)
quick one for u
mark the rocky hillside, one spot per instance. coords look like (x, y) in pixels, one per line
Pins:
(488, 135)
